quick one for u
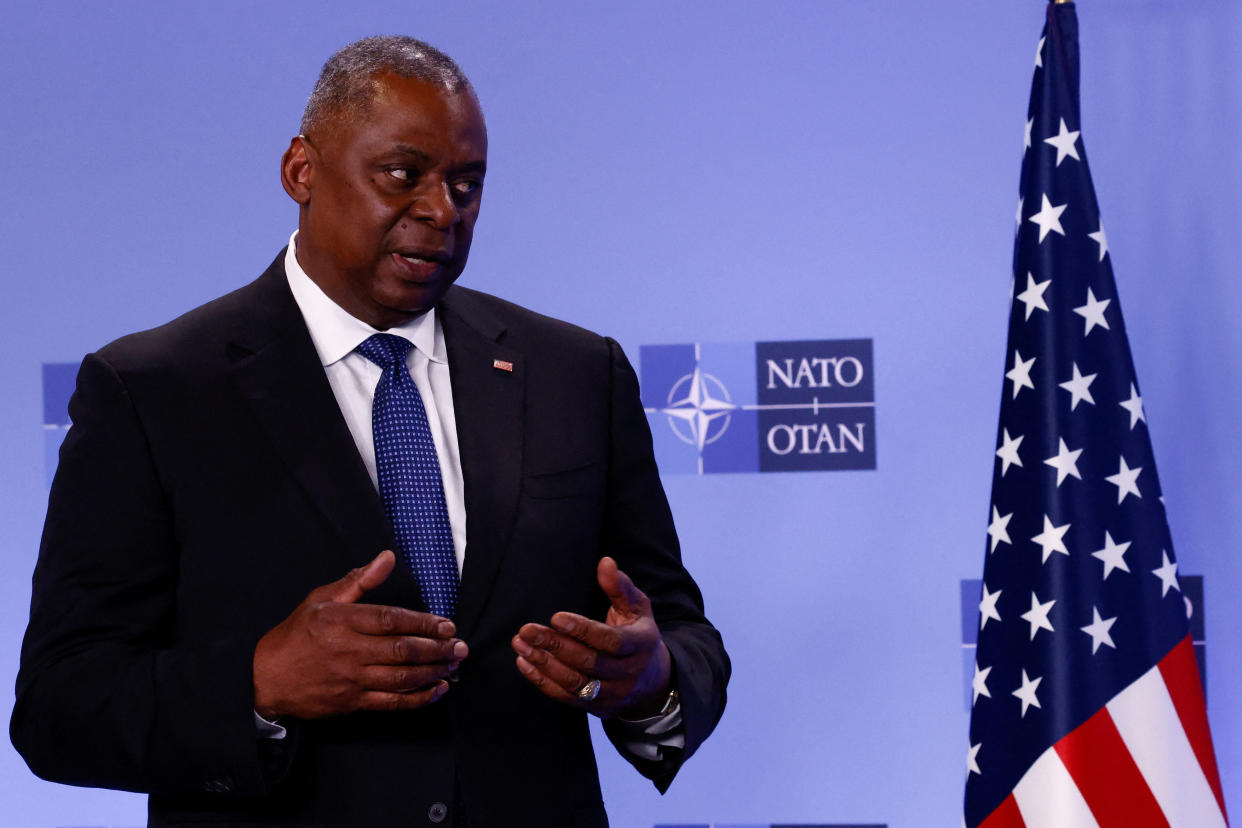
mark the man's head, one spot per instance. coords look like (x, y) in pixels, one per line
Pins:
(388, 176)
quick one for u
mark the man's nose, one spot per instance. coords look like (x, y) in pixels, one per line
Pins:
(433, 203)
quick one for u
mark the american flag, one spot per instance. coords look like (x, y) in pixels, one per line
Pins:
(1087, 706)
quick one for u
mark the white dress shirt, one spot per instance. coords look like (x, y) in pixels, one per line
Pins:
(353, 378)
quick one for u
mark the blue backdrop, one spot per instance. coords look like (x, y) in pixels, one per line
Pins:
(719, 172)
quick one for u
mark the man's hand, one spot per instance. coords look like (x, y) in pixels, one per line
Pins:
(333, 655)
(625, 653)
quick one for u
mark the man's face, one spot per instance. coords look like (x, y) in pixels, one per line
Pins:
(389, 199)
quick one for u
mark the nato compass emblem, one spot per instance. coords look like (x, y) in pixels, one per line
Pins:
(760, 406)
(698, 409)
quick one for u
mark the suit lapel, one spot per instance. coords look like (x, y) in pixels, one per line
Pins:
(278, 373)
(488, 407)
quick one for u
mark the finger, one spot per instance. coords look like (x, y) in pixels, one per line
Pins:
(358, 581)
(377, 619)
(409, 650)
(380, 700)
(626, 598)
(546, 685)
(562, 674)
(603, 637)
(390, 679)
(571, 652)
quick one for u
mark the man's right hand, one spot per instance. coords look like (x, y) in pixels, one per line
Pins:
(333, 655)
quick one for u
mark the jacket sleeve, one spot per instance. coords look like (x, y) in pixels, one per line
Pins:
(639, 534)
(105, 696)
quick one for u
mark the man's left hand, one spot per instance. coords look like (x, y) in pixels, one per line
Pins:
(624, 652)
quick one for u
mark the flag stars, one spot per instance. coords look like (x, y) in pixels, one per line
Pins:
(1066, 464)
(1008, 452)
(1134, 405)
(1052, 539)
(1039, 54)
(1020, 373)
(997, 529)
(987, 607)
(1113, 555)
(972, 760)
(1026, 137)
(1048, 218)
(1098, 629)
(1037, 616)
(979, 684)
(1167, 573)
(1017, 219)
(1026, 693)
(1064, 141)
(1033, 296)
(1079, 388)
(1093, 312)
(1102, 240)
(1126, 481)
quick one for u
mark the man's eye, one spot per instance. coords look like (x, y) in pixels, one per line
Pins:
(405, 174)
(466, 186)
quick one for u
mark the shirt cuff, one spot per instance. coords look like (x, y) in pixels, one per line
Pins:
(644, 738)
(266, 729)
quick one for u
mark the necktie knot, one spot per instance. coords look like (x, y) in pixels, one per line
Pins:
(385, 350)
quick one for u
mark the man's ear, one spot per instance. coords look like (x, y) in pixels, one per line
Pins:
(297, 169)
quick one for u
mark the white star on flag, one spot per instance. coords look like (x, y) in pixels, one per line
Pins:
(1027, 693)
(1017, 219)
(1079, 388)
(1026, 138)
(1039, 53)
(1093, 312)
(1098, 630)
(1049, 218)
(1008, 452)
(1135, 406)
(1064, 142)
(1052, 539)
(997, 530)
(1102, 240)
(979, 684)
(1113, 555)
(1037, 616)
(987, 607)
(1033, 296)
(1167, 573)
(1126, 481)
(1066, 464)
(972, 765)
(1020, 373)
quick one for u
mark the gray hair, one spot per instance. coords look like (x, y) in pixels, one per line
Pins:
(348, 84)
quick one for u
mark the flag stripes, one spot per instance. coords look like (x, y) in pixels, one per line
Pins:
(1134, 763)
(1096, 757)
(1180, 671)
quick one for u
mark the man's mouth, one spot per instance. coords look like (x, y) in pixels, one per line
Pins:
(420, 265)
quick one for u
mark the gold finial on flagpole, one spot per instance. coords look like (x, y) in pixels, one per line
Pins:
(1059, 2)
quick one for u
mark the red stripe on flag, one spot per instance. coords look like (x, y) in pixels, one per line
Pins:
(1181, 676)
(1099, 762)
(1006, 815)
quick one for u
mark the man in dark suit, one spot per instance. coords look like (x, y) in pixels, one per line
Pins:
(191, 633)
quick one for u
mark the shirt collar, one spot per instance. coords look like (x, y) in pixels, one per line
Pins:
(335, 333)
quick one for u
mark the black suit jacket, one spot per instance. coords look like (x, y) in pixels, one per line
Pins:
(209, 482)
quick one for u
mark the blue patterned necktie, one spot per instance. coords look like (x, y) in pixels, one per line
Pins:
(409, 474)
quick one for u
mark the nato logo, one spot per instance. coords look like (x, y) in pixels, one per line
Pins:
(761, 406)
(59, 379)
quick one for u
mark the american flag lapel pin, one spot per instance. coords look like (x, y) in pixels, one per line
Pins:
(501, 365)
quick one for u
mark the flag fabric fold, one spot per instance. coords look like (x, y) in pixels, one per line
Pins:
(1087, 704)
